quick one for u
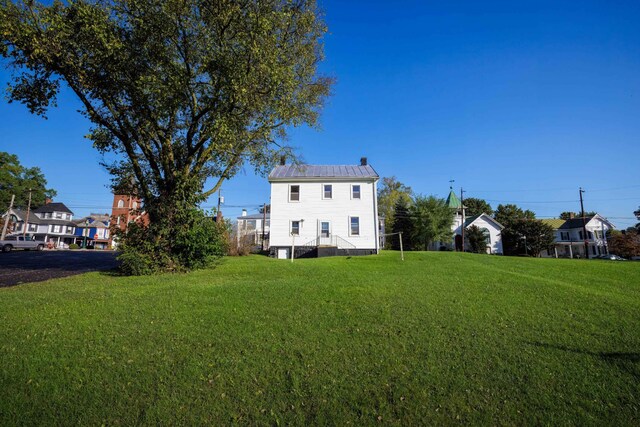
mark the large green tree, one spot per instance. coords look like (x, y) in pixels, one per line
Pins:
(402, 223)
(390, 191)
(432, 220)
(511, 216)
(474, 206)
(535, 236)
(15, 179)
(183, 92)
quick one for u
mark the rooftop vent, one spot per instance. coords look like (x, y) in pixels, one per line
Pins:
(363, 161)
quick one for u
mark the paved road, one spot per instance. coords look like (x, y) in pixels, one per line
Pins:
(30, 266)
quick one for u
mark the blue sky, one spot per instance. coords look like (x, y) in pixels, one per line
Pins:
(519, 102)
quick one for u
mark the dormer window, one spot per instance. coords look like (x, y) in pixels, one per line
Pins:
(58, 215)
(68, 217)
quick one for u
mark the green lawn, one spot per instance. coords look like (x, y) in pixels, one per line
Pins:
(440, 338)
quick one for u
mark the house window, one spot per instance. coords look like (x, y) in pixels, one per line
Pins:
(355, 191)
(590, 235)
(68, 217)
(487, 235)
(55, 228)
(69, 230)
(327, 191)
(19, 226)
(47, 215)
(59, 215)
(324, 229)
(295, 228)
(294, 193)
(121, 203)
(33, 227)
(580, 235)
(134, 205)
(355, 226)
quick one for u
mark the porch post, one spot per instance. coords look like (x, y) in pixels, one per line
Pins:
(571, 250)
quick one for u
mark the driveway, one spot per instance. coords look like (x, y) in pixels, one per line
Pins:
(31, 266)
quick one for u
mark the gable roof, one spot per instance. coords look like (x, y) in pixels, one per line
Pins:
(577, 222)
(574, 223)
(53, 207)
(322, 171)
(469, 221)
(22, 215)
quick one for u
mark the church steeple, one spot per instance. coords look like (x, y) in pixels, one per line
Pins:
(452, 200)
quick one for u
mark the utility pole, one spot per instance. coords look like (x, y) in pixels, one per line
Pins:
(264, 220)
(584, 226)
(26, 222)
(6, 219)
(462, 207)
(219, 214)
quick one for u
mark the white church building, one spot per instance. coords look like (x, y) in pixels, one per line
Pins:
(491, 228)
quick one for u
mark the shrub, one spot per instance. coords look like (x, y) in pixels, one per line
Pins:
(239, 247)
(74, 246)
(143, 249)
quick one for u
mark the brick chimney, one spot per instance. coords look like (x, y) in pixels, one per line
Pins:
(363, 161)
(572, 215)
(283, 160)
(47, 201)
(244, 212)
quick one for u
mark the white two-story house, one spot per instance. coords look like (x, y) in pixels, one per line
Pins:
(323, 210)
(570, 237)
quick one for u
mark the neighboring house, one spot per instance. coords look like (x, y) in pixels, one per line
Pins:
(250, 230)
(323, 210)
(95, 228)
(126, 208)
(491, 228)
(51, 223)
(570, 238)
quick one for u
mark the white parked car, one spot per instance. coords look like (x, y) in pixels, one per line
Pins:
(20, 242)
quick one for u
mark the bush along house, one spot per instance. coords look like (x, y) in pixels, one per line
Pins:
(323, 210)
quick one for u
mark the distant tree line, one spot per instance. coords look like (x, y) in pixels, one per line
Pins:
(425, 220)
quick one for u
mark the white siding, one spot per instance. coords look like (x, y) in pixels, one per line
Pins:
(494, 232)
(313, 209)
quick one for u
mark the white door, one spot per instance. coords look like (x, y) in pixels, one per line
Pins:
(283, 253)
(324, 232)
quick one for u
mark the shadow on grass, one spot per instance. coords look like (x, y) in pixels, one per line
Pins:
(627, 361)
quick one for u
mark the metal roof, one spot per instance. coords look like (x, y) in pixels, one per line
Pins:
(453, 201)
(556, 223)
(322, 171)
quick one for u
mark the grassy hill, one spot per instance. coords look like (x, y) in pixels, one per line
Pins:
(439, 338)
